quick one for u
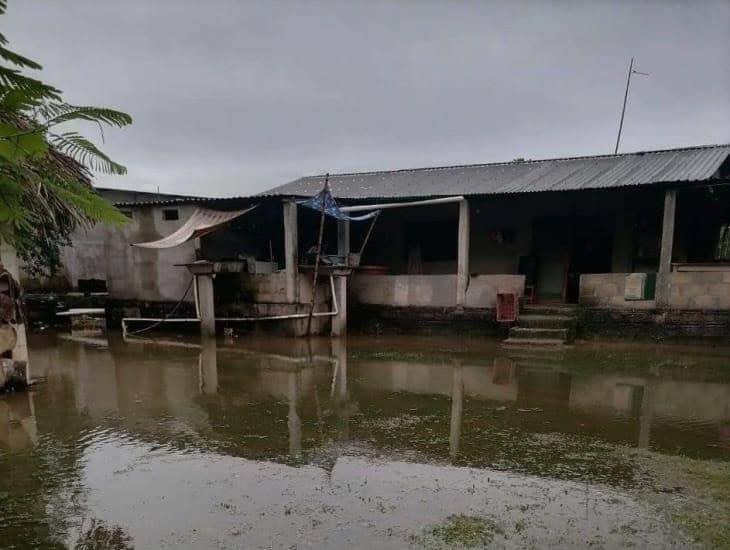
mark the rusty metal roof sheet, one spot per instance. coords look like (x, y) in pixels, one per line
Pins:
(691, 164)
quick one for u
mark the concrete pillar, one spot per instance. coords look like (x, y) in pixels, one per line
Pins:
(462, 264)
(291, 251)
(206, 304)
(339, 321)
(663, 290)
(457, 408)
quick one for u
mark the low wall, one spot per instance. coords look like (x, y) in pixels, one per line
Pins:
(691, 290)
(607, 290)
(432, 291)
(704, 290)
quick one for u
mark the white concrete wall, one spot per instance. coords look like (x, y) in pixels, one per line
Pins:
(143, 274)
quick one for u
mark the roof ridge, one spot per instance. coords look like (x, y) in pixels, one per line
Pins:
(508, 163)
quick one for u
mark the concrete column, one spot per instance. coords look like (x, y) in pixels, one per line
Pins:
(462, 264)
(206, 304)
(339, 321)
(663, 290)
(291, 251)
(457, 407)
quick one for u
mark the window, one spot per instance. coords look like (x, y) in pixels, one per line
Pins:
(170, 214)
(722, 251)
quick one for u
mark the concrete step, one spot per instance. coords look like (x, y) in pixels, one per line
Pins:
(550, 309)
(554, 354)
(539, 332)
(531, 320)
(539, 366)
(533, 342)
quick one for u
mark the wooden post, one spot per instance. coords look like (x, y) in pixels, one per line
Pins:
(291, 251)
(462, 264)
(318, 258)
(663, 285)
(206, 304)
(339, 321)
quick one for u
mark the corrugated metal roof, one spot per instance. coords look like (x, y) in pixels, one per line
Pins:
(566, 174)
(220, 202)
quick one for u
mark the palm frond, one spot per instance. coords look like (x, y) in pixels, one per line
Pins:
(17, 59)
(85, 152)
(63, 112)
(12, 79)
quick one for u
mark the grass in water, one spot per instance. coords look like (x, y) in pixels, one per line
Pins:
(469, 531)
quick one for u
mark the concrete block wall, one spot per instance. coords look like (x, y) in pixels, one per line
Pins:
(404, 290)
(270, 288)
(700, 290)
(607, 290)
(431, 290)
(692, 290)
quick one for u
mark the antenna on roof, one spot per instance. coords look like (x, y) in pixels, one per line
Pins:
(626, 95)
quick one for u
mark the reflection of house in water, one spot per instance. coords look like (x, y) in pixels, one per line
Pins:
(18, 429)
(262, 401)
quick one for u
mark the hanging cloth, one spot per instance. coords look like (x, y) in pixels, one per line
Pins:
(331, 208)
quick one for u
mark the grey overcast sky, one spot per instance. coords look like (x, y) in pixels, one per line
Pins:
(233, 97)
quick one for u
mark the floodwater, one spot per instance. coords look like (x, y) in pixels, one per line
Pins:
(387, 442)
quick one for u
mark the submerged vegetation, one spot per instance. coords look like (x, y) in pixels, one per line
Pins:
(463, 530)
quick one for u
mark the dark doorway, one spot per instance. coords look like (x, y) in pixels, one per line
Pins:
(551, 248)
(591, 250)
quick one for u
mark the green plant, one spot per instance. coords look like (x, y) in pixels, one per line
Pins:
(45, 170)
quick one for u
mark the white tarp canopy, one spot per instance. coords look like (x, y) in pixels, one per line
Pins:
(202, 222)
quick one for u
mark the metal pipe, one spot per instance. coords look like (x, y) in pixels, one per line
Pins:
(335, 311)
(427, 202)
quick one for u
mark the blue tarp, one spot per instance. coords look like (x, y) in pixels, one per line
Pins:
(331, 208)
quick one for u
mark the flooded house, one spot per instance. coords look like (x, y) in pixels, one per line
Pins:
(637, 241)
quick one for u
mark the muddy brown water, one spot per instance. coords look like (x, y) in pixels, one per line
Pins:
(369, 443)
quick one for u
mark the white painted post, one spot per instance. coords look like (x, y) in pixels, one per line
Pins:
(663, 285)
(206, 304)
(462, 264)
(339, 321)
(291, 252)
